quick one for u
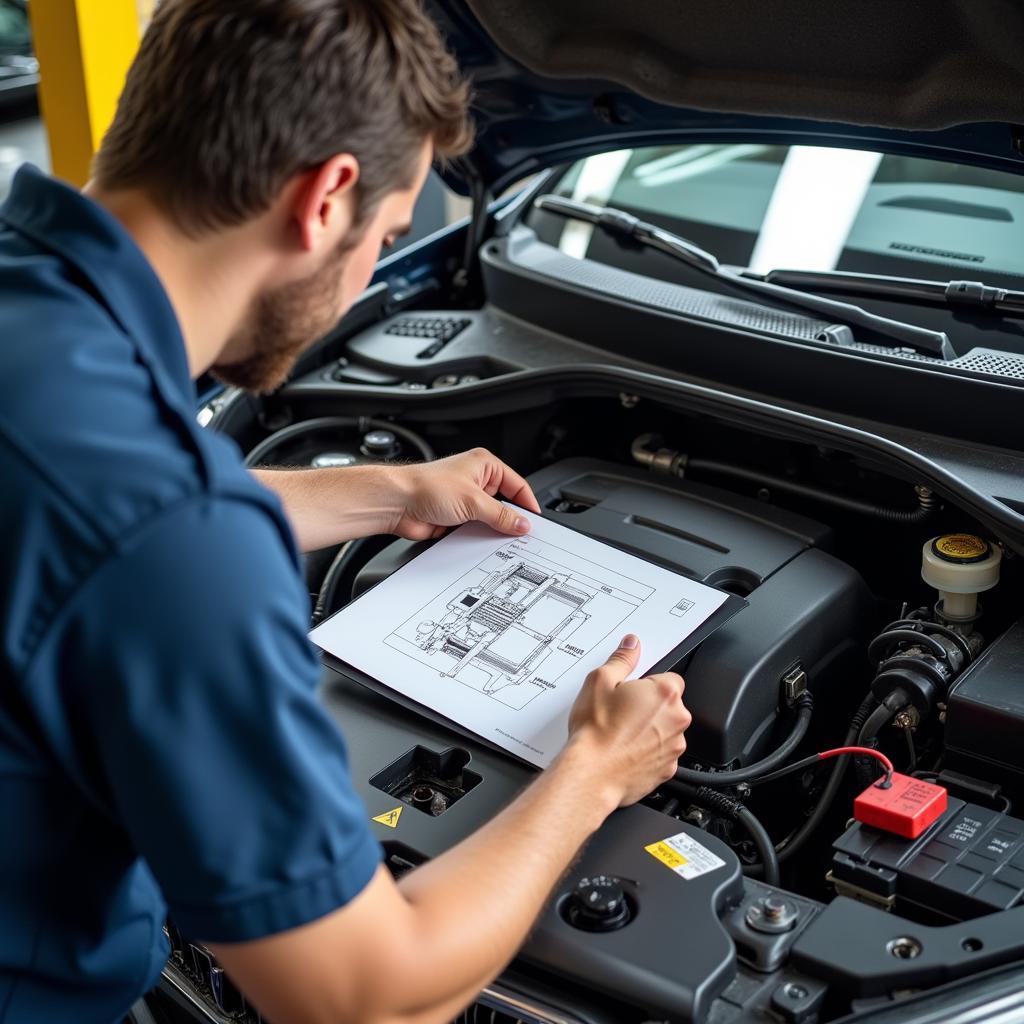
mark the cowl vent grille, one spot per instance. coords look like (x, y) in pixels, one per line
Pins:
(525, 253)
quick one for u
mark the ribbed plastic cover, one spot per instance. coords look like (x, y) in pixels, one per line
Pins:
(992, 363)
(528, 253)
(673, 298)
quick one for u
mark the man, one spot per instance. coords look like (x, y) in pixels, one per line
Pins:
(161, 746)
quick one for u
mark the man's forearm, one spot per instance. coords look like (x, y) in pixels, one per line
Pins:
(328, 506)
(417, 501)
(418, 952)
(413, 953)
(522, 846)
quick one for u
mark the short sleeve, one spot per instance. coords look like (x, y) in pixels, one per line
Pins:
(190, 688)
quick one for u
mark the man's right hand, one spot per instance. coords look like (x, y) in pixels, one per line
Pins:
(417, 952)
(633, 728)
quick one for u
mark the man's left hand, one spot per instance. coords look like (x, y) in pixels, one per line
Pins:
(418, 502)
(460, 489)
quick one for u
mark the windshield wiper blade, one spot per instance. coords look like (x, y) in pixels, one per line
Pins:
(975, 295)
(625, 225)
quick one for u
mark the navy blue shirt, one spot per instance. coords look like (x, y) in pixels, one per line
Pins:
(161, 743)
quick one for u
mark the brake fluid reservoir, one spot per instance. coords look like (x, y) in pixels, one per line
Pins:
(960, 566)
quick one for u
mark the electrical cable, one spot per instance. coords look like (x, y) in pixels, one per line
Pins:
(864, 770)
(736, 811)
(796, 840)
(770, 862)
(881, 716)
(805, 708)
(1007, 803)
(908, 735)
(827, 755)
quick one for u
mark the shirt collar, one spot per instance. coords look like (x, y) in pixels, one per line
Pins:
(59, 218)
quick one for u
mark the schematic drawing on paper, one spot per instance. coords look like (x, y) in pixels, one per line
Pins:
(513, 625)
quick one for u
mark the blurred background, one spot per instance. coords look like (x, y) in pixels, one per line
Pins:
(23, 137)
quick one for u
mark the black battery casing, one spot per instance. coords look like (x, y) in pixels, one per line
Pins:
(968, 863)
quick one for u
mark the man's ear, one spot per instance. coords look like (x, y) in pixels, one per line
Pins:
(324, 205)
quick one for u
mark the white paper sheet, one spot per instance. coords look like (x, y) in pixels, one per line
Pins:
(498, 634)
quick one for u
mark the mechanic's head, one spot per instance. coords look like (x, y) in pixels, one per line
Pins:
(316, 118)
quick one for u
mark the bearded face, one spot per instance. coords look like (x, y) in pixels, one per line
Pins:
(281, 324)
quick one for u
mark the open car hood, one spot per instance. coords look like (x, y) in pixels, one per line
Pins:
(559, 79)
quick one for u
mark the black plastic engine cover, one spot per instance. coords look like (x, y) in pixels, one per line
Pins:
(687, 953)
(805, 607)
(863, 952)
(674, 957)
(985, 713)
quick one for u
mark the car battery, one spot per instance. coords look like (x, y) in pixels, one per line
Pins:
(968, 863)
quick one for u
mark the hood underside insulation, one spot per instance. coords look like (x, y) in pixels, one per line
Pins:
(911, 64)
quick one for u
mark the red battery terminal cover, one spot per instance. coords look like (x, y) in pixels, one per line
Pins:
(895, 803)
(906, 807)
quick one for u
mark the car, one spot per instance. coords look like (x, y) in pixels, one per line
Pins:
(740, 292)
(19, 70)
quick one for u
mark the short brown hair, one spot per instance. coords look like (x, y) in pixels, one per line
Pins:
(227, 100)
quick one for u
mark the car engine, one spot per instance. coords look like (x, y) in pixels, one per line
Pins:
(748, 888)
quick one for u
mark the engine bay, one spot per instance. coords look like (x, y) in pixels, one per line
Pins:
(738, 891)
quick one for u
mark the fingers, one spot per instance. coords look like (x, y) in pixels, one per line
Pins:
(670, 685)
(687, 718)
(516, 489)
(410, 529)
(622, 662)
(502, 518)
(505, 481)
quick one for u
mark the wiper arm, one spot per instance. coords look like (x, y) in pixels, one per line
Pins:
(974, 295)
(625, 225)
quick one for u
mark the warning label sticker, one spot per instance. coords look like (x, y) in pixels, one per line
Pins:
(389, 818)
(685, 856)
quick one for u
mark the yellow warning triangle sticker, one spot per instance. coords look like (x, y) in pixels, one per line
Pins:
(389, 818)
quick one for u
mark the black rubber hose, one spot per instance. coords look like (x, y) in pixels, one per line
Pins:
(889, 515)
(918, 626)
(357, 423)
(789, 846)
(866, 769)
(881, 716)
(805, 708)
(882, 645)
(325, 598)
(735, 810)
(344, 570)
(763, 842)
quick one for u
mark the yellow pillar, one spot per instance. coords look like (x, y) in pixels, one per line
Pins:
(85, 48)
(146, 8)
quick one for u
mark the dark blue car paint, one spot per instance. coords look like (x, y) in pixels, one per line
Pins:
(526, 123)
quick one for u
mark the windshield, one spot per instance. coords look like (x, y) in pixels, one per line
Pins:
(14, 33)
(805, 208)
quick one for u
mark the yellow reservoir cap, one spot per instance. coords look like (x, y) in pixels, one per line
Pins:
(961, 547)
(960, 563)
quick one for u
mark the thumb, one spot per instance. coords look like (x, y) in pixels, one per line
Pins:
(624, 658)
(503, 518)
